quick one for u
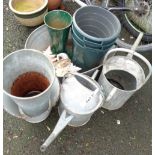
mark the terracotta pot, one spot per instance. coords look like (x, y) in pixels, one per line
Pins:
(54, 4)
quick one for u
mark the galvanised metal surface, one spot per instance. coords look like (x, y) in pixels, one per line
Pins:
(76, 107)
(126, 72)
(40, 40)
(34, 106)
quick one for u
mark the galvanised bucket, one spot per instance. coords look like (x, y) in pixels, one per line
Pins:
(42, 42)
(27, 60)
(124, 72)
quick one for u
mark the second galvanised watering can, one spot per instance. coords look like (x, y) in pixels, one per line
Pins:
(80, 97)
(124, 72)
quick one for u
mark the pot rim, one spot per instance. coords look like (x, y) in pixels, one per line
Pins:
(27, 13)
(58, 29)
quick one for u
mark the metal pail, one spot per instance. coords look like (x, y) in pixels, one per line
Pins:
(23, 61)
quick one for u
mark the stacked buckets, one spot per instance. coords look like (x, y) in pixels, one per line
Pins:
(94, 32)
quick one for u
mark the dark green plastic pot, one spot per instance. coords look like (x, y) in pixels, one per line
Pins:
(85, 57)
(96, 24)
(86, 43)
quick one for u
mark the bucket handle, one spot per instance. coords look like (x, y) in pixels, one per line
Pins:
(61, 124)
(25, 116)
(129, 51)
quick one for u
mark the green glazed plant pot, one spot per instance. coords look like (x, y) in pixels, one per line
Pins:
(58, 23)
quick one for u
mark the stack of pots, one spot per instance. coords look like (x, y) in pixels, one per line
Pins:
(94, 31)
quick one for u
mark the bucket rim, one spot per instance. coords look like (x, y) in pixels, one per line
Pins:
(96, 46)
(86, 43)
(32, 97)
(31, 34)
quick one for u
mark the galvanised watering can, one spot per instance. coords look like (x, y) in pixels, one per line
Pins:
(80, 97)
(124, 72)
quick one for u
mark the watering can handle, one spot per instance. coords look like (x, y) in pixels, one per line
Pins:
(61, 124)
(129, 51)
(136, 43)
(83, 76)
(111, 94)
(95, 74)
(138, 40)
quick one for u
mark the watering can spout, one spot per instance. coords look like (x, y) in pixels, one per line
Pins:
(62, 123)
(50, 139)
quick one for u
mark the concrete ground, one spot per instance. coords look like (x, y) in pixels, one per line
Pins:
(102, 135)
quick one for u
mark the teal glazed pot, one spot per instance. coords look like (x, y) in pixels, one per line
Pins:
(59, 35)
